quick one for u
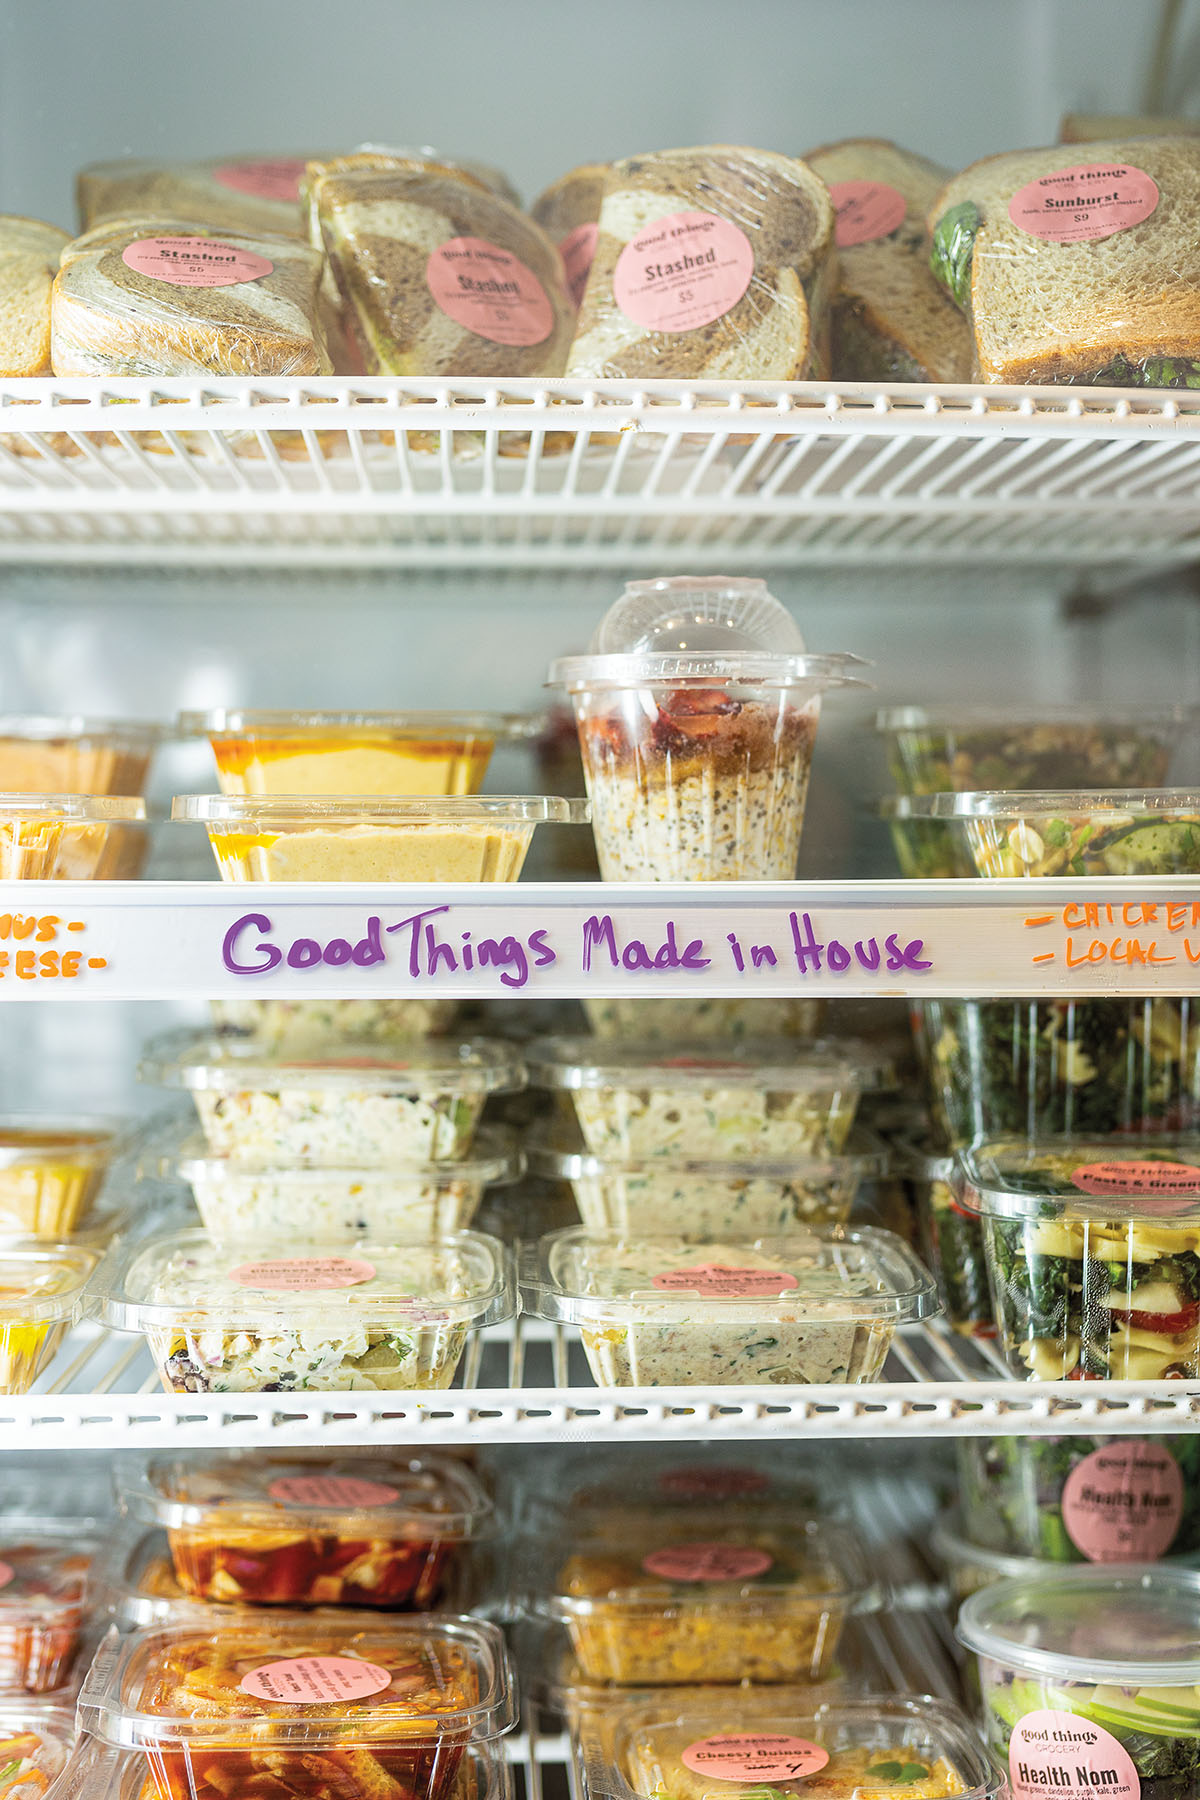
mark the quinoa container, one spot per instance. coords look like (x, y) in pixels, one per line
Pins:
(52, 1170)
(677, 1020)
(296, 1027)
(45, 1594)
(66, 837)
(42, 1288)
(932, 750)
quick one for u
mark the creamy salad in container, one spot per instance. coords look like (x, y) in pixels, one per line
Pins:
(933, 750)
(44, 1601)
(350, 837)
(250, 1317)
(383, 753)
(697, 710)
(756, 1098)
(41, 1295)
(356, 1106)
(35, 1744)
(237, 1198)
(1093, 1251)
(295, 1027)
(816, 1306)
(52, 1170)
(676, 1020)
(1091, 1681)
(64, 837)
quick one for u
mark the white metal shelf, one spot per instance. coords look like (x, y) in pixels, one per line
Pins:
(456, 473)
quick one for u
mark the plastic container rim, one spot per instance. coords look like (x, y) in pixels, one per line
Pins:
(976, 1631)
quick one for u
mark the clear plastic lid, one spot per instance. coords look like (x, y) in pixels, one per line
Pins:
(35, 1139)
(718, 630)
(951, 1548)
(1153, 1180)
(42, 1284)
(761, 1063)
(35, 1746)
(239, 722)
(863, 1157)
(1000, 718)
(492, 1160)
(72, 809)
(240, 1065)
(271, 1678)
(1052, 804)
(45, 1573)
(382, 1493)
(1131, 1625)
(132, 734)
(822, 1273)
(734, 1477)
(258, 810)
(262, 1287)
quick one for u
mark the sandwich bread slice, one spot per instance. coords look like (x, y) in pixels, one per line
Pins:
(29, 253)
(568, 210)
(1092, 128)
(245, 193)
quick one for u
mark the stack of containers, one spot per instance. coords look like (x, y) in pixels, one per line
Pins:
(72, 797)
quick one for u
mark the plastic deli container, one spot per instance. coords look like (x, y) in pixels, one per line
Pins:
(1093, 1251)
(1084, 831)
(678, 1021)
(382, 753)
(1080, 1499)
(384, 1529)
(926, 849)
(696, 1198)
(97, 1771)
(41, 1293)
(759, 1098)
(951, 1241)
(294, 1027)
(298, 1705)
(75, 755)
(65, 837)
(697, 709)
(816, 1306)
(244, 1318)
(970, 1566)
(52, 1169)
(349, 838)
(932, 750)
(697, 1596)
(356, 1106)
(44, 1595)
(637, 1486)
(35, 1745)
(239, 1199)
(746, 1743)
(1092, 1673)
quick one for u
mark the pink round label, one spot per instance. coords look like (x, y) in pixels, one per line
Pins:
(866, 210)
(711, 1484)
(683, 272)
(1124, 1502)
(578, 250)
(194, 262)
(489, 291)
(754, 1756)
(297, 1274)
(1064, 1757)
(1090, 200)
(707, 1562)
(7, 1573)
(269, 178)
(303, 1680)
(724, 1282)
(331, 1490)
(1143, 1178)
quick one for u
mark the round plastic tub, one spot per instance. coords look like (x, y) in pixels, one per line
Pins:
(933, 750)
(926, 849)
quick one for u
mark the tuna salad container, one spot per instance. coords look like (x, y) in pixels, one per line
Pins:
(242, 1319)
(765, 1098)
(1086, 831)
(296, 1704)
(1093, 1251)
(75, 755)
(816, 1306)
(35, 1745)
(1091, 1681)
(241, 1199)
(672, 1020)
(64, 837)
(696, 1596)
(44, 1600)
(951, 1240)
(41, 1296)
(356, 1106)
(1081, 1499)
(298, 1027)
(436, 754)
(747, 1744)
(354, 838)
(697, 710)
(934, 750)
(52, 1171)
(383, 1529)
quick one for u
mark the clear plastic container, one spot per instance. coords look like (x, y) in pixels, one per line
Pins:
(1093, 1249)
(926, 849)
(312, 1529)
(756, 1098)
(41, 1292)
(75, 755)
(357, 1106)
(932, 750)
(35, 1746)
(293, 1702)
(951, 1240)
(697, 1596)
(65, 837)
(697, 1198)
(52, 1169)
(45, 1578)
(818, 1306)
(244, 1318)
(743, 1745)
(1118, 1650)
(1082, 1499)
(346, 838)
(697, 710)
(632, 1485)
(237, 1199)
(293, 1027)
(1085, 832)
(970, 1566)
(679, 1021)
(382, 753)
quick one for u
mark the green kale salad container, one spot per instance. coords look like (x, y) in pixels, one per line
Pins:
(951, 1239)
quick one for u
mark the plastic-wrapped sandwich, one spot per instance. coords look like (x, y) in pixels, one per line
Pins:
(1078, 267)
(568, 210)
(247, 193)
(891, 319)
(715, 263)
(29, 253)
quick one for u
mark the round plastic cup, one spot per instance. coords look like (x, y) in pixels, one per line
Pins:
(66, 837)
(1083, 832)
(970, 1566)
(932, 750)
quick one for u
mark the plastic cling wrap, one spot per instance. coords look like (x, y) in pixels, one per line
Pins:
(713, 263)
(244, 193)
(1077, 266)
(29, 254)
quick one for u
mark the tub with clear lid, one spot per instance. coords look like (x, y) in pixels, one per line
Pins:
(1084, 831)
(52, 1169)
(67, 837)
(634, 1483)
(933, 750)
(293, 1027)
(697, 710)
(35, 1747)
(42, 1288)
(1093, 1249)
(926, 849)
(384, 1529)
(678, 1020)
(45, 1592)
(244, 1318)
(817, 1306)
(354, 1106)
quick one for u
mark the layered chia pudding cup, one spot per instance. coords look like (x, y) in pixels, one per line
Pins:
(697, 709)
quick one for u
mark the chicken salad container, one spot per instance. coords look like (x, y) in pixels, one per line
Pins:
(932, 750)
(241, 1318)
(819, 1306)
(52, 1170)
(67, 837)
(295, 1027)
(45, 1594)
(42, 1289)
